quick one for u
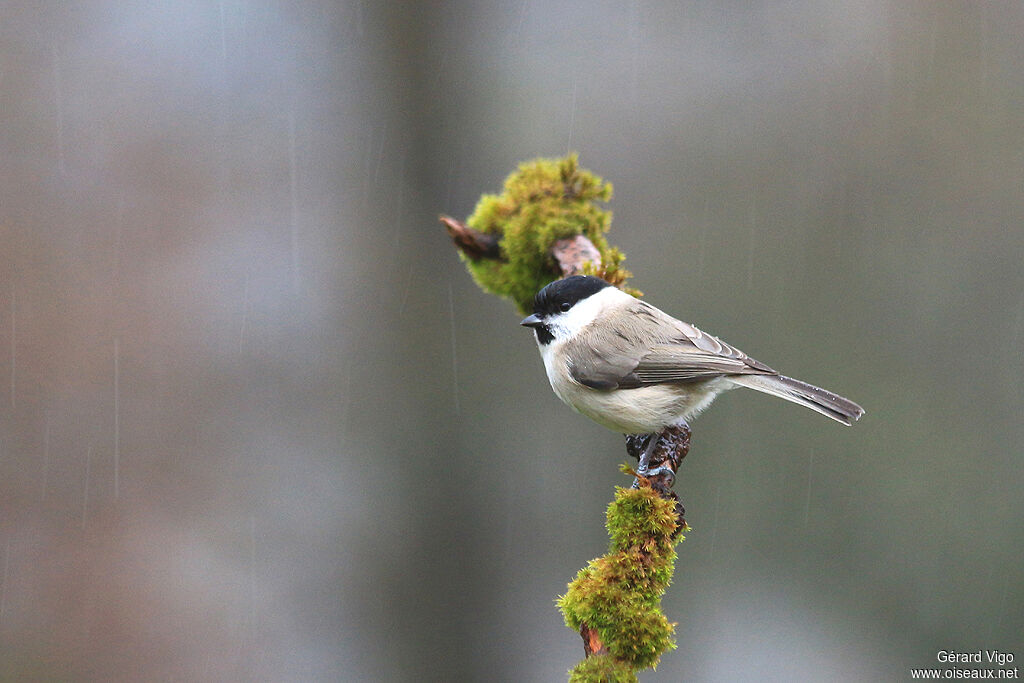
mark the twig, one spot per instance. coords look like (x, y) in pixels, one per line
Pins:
(472, 243)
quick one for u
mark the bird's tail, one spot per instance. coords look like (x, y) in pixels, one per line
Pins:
(825, 402)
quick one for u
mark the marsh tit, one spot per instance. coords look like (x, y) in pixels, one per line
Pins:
(637, 370)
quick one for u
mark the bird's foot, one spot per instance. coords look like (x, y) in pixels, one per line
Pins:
(659, 471)
(665, 449)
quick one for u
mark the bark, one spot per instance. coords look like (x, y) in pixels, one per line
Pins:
(473, 243)
(592, 644)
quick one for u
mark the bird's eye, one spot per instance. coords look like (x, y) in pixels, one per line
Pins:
(564, 308)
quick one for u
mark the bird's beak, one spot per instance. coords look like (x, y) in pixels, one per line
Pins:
(532, 321)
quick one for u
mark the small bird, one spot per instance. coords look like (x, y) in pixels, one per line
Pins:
(637, 370)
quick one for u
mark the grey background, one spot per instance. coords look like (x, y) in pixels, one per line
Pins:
(337, 459)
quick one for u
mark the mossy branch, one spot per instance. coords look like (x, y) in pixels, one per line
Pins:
(617, 597)
(546, 224)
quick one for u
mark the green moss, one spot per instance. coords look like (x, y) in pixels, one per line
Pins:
(603, 669)
(545, 200)
(619, 594)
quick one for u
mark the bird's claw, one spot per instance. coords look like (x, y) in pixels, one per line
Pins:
(661, 470)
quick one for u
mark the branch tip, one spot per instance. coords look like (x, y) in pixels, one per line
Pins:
(473, 243)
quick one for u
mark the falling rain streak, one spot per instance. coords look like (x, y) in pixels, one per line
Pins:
(245, 314)
(152, 162)
(293, 175)
(3, 582)
(46, 456)
(252, 575)
(380, 153)
(1015, 338)
(399, 205)
(117, 417)
(572, 114)
(14, 344)
(85, 494)
(1018, 326)
(58, 97)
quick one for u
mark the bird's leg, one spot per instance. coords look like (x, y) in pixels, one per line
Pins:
(667, 449)
(644, 467)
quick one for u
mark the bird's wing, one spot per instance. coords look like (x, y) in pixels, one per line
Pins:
(650, 347)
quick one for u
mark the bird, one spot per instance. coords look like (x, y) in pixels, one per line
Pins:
(635, 369)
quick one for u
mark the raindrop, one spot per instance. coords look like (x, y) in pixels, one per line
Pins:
(293, 177)
(572, 113)
(252, 575)
(380, 152)
(85, 496)
(440, 74)
(405, 291)
(633, 39)
(14, 344)
(117, 418)
(58, 96)
(399, 207)
(367, 164)
(3, 582)
(245, 314)
(46, 455)
(118, 233)
(1018, 325)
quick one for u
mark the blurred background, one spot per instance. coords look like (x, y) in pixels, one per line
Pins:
(257, 422)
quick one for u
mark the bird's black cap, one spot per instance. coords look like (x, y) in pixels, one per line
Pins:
(554, 297)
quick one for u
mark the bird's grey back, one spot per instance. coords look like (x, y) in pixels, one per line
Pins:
(646, 346)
